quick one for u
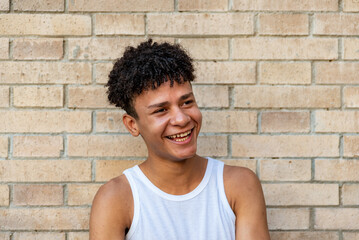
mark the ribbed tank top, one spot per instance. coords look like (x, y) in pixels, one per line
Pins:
(204, 213)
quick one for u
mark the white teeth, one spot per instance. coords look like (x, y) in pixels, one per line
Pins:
(181, 135)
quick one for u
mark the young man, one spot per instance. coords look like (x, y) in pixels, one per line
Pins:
(174, 194)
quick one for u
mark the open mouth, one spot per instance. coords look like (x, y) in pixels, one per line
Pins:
(180, 137)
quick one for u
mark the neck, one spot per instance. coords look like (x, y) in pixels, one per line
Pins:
(175, 177)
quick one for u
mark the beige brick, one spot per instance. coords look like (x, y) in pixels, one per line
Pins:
(286, 97)
(4, 96)
(336, 218)
(27, 195)
(337, 73)
(110, 122)
(229, 121)
(206, 48)
(4, 48)
(120, 5)
(108, 169)
(45, 121)
(4, 236)
(336, 170)
(78, 236)
(88, 97)
(301, 194)
(48, 49)
(351, 48)
(288, 5)
(212, 146)
(200, 24)
(35, 96)
(45, 171)
(350, 193)
(285, 48)
(3, 146)
(4, 196)
(351, 146)
(82, 194)
(336, 121)
(304, 235)
(285, 146)
(45, 24)
(225, 72)
(203, 5)
(126, 24)
(102, 70)
(285, 73)
(37, 146)
(336, 24)
(39, 5)
(99, 48)
(285, 122)
(285, 170)
(351, 6)
(247, 163)
(38, 236)
(288, 218)
(4, 6)
(350, 235)
(205, 98)
(106, 145)
(45, 72)
(45, 219)
(283, 24)
(351, 97)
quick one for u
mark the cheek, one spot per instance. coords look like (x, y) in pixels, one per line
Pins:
(157, 125)
(197, 116)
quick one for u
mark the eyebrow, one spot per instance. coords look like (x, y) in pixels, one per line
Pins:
(162, 104)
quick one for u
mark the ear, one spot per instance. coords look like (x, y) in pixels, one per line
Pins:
(131, 124)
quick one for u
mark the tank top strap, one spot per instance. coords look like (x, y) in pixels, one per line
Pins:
(136, 201)
(219, 166)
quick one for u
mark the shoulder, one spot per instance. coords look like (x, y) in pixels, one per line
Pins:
(112, 209)
(116, 188)
(241, 185)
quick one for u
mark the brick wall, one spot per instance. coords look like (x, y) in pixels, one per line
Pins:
(277, 82)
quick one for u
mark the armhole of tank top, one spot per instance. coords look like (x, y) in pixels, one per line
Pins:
(222, 192)
(136, 205)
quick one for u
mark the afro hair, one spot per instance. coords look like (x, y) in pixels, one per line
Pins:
(146, 67)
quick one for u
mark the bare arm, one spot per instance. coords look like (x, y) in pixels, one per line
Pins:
(245, 195)
(112, 211)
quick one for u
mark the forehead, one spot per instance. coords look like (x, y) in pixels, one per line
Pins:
(163, 93)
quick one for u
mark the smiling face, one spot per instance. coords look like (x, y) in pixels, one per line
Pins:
(168, 120)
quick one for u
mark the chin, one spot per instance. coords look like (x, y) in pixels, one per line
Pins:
(181, 157)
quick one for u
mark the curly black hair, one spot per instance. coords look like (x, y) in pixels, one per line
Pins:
(146, 67)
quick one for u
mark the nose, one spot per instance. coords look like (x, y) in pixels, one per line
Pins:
(179, 117)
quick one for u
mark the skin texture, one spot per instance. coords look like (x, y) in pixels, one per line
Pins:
(174, 167)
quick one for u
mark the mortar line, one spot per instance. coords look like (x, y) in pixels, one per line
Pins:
(93, 170)
(11, 49)
(340, 49)
(11, 6)
(340, 6)
(312, 177)
(175, 5)
(311, 24)
(340, 233)
(65, 194)
(230, 5)
(146, 25)
(311, 218)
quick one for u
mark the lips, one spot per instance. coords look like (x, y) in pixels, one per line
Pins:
(180, 137)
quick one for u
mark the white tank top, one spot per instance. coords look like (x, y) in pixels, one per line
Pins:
(203, 213)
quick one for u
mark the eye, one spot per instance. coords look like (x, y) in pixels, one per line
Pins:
(188, 102)
(160, 110)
